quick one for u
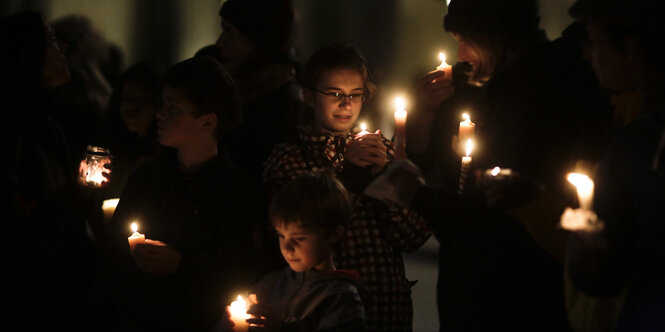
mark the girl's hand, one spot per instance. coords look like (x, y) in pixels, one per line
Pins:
(156, 257)
(367, 150)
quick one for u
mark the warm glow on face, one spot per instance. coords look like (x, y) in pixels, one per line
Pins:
(238, 308)
(469, 147)
(496, 171)
(135, 227)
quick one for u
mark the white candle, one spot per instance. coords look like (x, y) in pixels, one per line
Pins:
(400, 128)
(584, 186)
(445, 67)
(136, 237)
(466, 128)
(466, 160)
(108, 206)
(239, 315)
(363, 130)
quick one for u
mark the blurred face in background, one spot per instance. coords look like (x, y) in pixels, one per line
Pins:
(138, 108)
(56, 72)
(616, 70)
(234, 46)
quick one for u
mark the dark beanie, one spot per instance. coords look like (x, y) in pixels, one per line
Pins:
(637, 15)
(268, 23)
(506, 21)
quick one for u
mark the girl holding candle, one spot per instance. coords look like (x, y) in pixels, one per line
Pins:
(194, 208)
(337, 84)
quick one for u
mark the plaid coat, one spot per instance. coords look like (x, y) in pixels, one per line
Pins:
(376, 237)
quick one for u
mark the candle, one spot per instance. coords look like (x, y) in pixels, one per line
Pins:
(108, 206)
(584, 186)
(466, 128)
(400, 128)
(498, 173)
(466, 164)
(92, 168)
(136, 237)
(445, 67)
(239, 315)
(363, 130)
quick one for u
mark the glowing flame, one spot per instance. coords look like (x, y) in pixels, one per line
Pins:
(238, 308)
(584, 186)
(363, 126)
(110, 203)
(442, 57)
(469, 147)
(466, 117)
(496, 171)
(400, 104)
(135, 227)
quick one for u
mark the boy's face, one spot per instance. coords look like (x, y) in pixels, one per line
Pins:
(304, 249)
(337, 115)
(177, 126)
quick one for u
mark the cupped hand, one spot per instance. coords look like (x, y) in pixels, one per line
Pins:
(367, 150)
(432, 89)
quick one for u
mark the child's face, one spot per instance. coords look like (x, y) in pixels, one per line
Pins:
(304, 249)
(337, 115)
(176, 125)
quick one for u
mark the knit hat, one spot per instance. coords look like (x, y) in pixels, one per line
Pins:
(506, 21)
(268, 23)
(638, 15)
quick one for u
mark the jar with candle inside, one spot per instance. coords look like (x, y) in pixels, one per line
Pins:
(93, 166)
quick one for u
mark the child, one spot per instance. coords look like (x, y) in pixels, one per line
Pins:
(194, 206)
(337, 84)
(309, 215)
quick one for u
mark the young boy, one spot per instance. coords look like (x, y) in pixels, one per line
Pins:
(337, 84)
(309, 215)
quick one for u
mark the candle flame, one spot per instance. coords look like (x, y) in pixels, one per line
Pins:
(238, 308)
(466, 117)
(135, 227)
(469, 147)
(363, 126)
(400, 104)
(496, 171)
(442, 57)
(581, 181)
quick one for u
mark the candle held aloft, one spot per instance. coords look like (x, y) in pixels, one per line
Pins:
(400, 128)
(108, 206)
(239, 315)
(136, 237)
(445, 67)
(584, 186)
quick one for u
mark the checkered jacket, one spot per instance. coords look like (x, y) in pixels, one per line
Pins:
(376, 237)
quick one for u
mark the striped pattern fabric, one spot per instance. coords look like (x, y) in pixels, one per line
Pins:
(374, 241)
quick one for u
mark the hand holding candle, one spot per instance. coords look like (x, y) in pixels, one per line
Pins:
(400, 128)
(363, 130)
(239, 315)
(94, 169)
(136, 237)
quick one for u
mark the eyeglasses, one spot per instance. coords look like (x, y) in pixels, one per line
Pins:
(340, 96)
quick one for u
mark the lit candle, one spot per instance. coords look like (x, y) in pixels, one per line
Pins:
(136, 237)
(466, 160)
(445, 67)
(584, 186)
(466, 128)
(92, 168)
(239, 315)
(400, 128)
(363, 130)
(108, 206)
(466, 165)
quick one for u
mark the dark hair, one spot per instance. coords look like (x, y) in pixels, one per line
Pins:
(210, 88)
(23, 38)
(643, 20)
(149, 74)
(492, 28)
(314, 201)
(337, 56)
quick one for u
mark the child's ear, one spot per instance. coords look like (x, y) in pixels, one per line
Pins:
(308, 95)
(210, 121)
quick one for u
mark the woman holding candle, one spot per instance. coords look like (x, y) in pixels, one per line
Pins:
(336, 86)
(539, 110)
(194, 208)
(626, 46)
